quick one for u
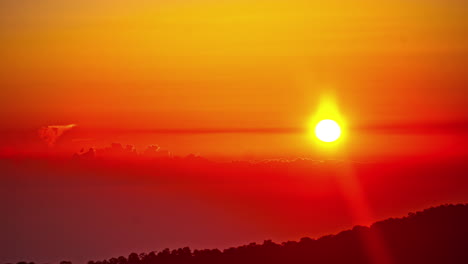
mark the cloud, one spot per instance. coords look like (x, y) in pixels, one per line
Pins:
(154, 151)
(50, 134)
(90, 154)
(117, 150)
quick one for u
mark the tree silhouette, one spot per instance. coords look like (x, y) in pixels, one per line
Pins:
(435, 235)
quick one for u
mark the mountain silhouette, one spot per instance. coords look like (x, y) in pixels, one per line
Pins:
(435, 235)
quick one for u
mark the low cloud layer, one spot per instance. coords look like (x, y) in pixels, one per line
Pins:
(117, 150)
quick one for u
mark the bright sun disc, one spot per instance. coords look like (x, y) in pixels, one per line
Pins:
(327, 130)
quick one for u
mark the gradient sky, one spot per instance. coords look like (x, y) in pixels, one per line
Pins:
(187, 65)
(91, 210)
(225, 80)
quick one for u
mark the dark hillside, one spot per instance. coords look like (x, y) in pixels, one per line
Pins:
(435, 235)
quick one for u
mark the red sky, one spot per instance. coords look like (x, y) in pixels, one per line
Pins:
(96, 209)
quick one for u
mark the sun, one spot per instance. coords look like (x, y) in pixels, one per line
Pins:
(327, 130)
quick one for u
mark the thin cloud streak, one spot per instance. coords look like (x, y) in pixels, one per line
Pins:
(395, 128)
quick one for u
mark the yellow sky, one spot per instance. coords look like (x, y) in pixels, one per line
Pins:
(197, 64)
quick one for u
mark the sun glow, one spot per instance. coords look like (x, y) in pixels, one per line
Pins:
(327, 130)
(327, 126)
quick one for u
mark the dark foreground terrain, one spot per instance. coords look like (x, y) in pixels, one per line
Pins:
(435, 235)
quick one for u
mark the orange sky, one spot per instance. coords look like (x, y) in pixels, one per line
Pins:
(224, 80)
(188, 65)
